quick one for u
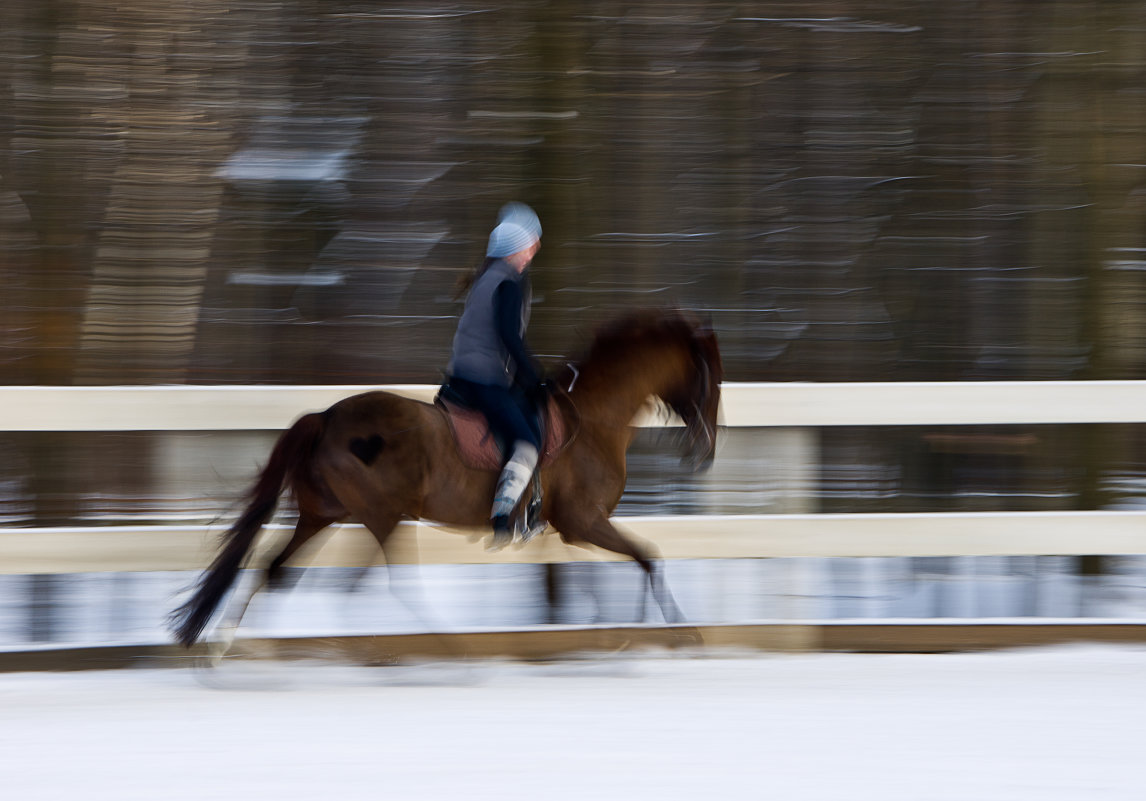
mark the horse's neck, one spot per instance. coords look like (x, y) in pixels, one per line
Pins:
(616, 393)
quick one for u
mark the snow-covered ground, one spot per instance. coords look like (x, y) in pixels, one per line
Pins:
(1060, 724)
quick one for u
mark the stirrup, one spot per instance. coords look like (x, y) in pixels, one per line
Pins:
(531, 531)
(516, 530)
(531, 522)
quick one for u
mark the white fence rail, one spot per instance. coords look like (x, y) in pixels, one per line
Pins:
(268, 407)
(150, 548)
(191, 408)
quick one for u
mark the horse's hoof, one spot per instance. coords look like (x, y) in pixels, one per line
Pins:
(684, 637)
(213, 657)
(203, 664)
(532, 532)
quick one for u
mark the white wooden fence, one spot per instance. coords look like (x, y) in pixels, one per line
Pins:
(191, 408)
(230, 408)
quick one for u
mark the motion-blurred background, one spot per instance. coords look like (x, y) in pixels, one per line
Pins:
(230, 191)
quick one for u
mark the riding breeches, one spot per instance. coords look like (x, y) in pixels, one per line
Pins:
(511, 416)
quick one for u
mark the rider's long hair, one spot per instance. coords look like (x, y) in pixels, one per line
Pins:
(467, 280)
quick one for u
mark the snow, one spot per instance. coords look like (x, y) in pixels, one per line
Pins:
(1047, 724)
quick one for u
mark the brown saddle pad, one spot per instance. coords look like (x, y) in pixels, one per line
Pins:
(478, 447)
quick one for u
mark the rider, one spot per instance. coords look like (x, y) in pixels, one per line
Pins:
(491, 366)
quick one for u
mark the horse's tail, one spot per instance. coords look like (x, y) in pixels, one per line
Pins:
(291, 454)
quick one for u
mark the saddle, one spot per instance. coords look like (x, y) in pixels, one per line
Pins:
(479, 449)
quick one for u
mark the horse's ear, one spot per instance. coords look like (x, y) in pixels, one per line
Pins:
(703, 328)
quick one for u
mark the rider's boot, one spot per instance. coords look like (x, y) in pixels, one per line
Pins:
(510, 487)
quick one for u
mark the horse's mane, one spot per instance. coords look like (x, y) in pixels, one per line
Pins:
(614, 338)
(614, 341)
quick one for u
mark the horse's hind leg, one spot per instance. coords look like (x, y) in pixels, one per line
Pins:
(306, 527)
(382, 524)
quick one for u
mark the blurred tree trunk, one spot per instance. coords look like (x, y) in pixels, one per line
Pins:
(66, 154)
(155, 236)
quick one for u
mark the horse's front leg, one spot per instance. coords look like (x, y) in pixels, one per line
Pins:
(599, 531)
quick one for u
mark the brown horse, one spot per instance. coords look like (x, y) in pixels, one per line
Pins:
(378, 458)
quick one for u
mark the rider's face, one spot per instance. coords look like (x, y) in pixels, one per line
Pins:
(521, 259)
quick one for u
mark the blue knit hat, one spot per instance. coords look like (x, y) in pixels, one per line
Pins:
(519, 213)
(517, 229)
